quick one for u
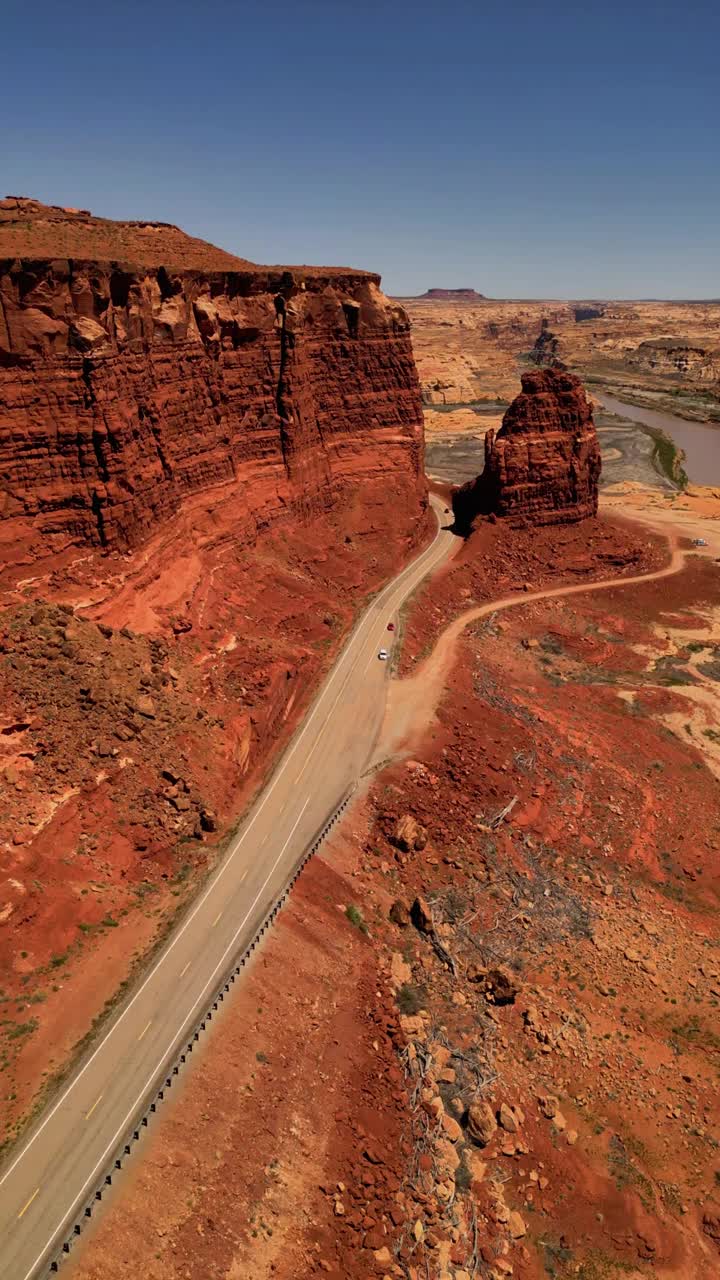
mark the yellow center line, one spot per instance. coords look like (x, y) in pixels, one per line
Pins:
(187, 966)
(212, 926)
(243, 876)
(142, 1033)
(87, 1117)
(27, 1206)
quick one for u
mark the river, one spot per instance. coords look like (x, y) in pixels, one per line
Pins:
(699, 441)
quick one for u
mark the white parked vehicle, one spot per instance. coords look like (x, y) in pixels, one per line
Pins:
(699, 542)
(383, 655)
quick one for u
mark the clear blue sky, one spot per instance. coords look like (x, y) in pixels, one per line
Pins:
(525, 149)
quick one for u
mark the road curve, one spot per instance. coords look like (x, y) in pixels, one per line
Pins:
(46, 1183)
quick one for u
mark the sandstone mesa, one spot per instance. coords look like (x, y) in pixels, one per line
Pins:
(139, 365)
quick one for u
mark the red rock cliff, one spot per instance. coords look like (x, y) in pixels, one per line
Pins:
(544, 462)
(139, 365)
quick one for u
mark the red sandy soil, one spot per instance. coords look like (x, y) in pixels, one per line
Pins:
(140, 700)
(596, 899)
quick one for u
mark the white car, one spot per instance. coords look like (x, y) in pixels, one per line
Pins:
(699, 542)
(383, 655)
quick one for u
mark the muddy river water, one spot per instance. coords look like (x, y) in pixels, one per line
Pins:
(699, 441)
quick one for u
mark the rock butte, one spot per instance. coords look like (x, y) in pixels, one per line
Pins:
(544, 462)
(139, 365)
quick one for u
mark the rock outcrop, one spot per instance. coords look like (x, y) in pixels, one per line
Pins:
(544, 462)
(546, 346)
(139, 366)
(588, 313)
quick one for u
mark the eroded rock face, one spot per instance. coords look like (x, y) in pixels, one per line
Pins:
(678, 358)
(139, 366)
(544, 462)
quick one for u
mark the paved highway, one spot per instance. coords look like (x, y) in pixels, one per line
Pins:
(44, 1186)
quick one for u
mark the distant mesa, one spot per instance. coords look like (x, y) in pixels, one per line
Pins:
(543, 465)
(588, 313)
(451, 295)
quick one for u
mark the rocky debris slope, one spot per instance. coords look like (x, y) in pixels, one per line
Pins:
(139, 366)
(141, 699)
(544, 462)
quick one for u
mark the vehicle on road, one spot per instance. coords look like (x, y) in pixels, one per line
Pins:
(699, 542)
(383, 654)
(391, 626)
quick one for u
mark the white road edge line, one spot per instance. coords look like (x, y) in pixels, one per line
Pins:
(223, 868)
(155, 1070)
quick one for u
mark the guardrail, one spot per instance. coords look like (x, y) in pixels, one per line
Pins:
(177, 1062)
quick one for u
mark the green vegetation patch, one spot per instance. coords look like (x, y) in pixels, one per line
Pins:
(626, 1175)
(21, 1029)
(693, 1033)
(355, 917)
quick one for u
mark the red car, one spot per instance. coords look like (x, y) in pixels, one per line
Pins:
(391, 626)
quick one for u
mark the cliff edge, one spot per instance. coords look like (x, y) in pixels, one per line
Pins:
(139, 365)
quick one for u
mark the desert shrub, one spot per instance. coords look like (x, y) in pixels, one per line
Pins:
(463, 1176)
(354, 915)
(410, 999)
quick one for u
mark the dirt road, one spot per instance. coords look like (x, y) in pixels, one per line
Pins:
(412, 701)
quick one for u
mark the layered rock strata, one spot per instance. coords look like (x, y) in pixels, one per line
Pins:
(679, 359)
(544, 462)
(139, 366)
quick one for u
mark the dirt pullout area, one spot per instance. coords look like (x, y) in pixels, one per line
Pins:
(141, 698)
(498, 1053)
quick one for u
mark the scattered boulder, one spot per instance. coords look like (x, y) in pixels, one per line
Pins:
(452, 1128)
(480, 1122)
(500, 985)
(549, 1105)
(516, 1225)
(400, 913)
(507, 1119)
(408, 834)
